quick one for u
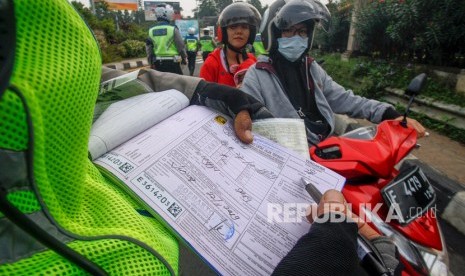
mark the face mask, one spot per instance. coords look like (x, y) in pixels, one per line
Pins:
(292, 47)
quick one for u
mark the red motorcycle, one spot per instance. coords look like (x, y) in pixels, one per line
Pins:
(399, 203)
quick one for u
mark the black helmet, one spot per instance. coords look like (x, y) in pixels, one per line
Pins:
(237, 13)
(284, 14)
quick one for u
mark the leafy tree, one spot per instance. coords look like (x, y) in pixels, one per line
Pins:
(425, 30)
(221, 4)
(258, 5)
(206, 8)
(335, 39)
(118, 33)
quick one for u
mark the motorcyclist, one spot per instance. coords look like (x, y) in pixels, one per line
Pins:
(192, 46)
(238, 24)
(165, 46)
(291, 83)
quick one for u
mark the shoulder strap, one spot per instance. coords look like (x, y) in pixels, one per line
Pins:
(310, 81)
(264, 65)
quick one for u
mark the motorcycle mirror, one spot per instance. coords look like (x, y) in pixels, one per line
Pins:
(412, 90)
(416, 85)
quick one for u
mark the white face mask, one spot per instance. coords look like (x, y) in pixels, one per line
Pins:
(292, 47)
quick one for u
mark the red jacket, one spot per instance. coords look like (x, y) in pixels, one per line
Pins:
(214, 68)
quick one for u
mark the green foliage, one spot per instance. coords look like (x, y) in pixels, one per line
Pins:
(119, 34)
(335, 39)
(110, 54)
(131, 48)
(258, 5)
(221, 4)
(450, 131)
(206, 8)
(423, 30)
(369, 77)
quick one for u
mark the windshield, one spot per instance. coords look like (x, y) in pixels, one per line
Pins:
(363, 133)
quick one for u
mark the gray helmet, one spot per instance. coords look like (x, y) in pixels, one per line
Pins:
(236, 13)
(283, 14)
(267, 34)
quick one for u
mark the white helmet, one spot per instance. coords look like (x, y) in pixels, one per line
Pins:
(191, 31)
(164, 12)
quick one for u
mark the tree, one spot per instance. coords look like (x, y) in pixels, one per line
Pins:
(222, 4)
(258, 5)
(206, 8)
(425, 30)
(335, 39)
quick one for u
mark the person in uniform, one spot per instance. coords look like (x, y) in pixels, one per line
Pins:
(165, 45)
(192, 46)
(207, 43)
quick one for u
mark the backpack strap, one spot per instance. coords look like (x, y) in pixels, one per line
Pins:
(310, 81)
(265, 65)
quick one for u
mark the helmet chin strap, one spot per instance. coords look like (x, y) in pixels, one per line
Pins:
(234, 49)
(237, 51)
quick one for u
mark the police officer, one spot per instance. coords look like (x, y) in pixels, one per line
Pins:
(165, 46)
(192, 45)
(207, 43)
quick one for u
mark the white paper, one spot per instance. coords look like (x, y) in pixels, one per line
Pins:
(216, 192)
(127, 118)
(287, 132)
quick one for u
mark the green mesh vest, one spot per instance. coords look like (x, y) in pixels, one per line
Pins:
(45, 164)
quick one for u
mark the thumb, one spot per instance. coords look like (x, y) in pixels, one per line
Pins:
(243, 126)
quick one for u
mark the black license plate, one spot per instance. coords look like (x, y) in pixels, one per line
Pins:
(409, 195)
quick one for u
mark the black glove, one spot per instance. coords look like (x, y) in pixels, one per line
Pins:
(229, 100)
(388, 253)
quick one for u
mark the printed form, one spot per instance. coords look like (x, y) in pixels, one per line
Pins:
(241, 207)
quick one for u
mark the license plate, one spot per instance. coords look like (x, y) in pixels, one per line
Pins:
(409, 195)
